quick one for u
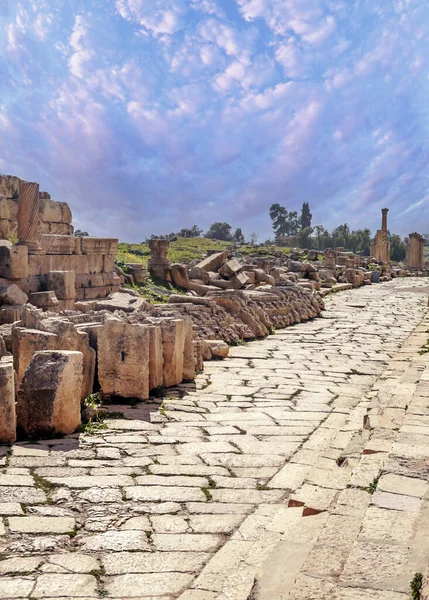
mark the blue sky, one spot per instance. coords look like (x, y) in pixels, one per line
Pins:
(147, 116)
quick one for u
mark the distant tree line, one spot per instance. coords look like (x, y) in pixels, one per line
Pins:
(289, 227)
(295, 229)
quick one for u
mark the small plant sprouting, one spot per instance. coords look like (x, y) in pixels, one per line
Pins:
(373, 485)
(206, 493)
(416, 586)
(92, 427)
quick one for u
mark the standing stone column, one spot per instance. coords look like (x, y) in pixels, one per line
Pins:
(28, 216)
(384, 212)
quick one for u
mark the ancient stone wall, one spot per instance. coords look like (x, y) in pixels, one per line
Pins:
(54, 217)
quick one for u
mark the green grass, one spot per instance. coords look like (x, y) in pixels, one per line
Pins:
(185, 250)
(416, 586)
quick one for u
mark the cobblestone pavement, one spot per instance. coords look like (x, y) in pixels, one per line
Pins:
(261, 482)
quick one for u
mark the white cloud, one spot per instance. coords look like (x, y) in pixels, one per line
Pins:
(158, 17)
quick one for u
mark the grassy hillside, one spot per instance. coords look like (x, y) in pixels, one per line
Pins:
(188, 249)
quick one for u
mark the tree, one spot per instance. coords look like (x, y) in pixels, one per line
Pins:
(341, 236)
(238, 236)
(219, 231)
(320, 230)
(306, 216)
(253, 238)
(398, 250)
(284, 222)
(193, 232)
(80, 233)
(304, 237)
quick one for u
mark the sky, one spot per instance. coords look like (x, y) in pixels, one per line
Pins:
(147, 116)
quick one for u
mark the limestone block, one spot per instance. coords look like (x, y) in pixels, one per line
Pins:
(44, 300)
(213, 262)
(276, 273)
(14, 262)
(218, 348)
(197, 273)
(12, 295)
(95, 263)
(95, 292)
(60, 244)
(239, 280)
(123, 359)
(189, 364)
(119, 301)
(7, 402)
(250, 276)
(25, 342)
(230, 268)
(50, 392)
(108, 263)
(94, 280)
(93, 245)
(173, 344)
(156, 359)
(63, 283)
(223, 284)
(67, 304)
(54, 212)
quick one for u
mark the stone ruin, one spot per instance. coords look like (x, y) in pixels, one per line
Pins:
(380, 248)
(414, 259)
(68, 328)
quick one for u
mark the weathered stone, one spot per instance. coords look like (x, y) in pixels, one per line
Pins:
(11, 294)
(14, 262)
(123, 359)
(49, 393)
(230, 268)
(213, 262)
(7, 402)
(63, 283)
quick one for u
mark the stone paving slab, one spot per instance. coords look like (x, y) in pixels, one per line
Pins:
(263, 471)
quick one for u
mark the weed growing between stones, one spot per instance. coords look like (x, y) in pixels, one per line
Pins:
(416, 586)
(92, 427)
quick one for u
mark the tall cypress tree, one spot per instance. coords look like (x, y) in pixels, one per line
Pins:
(306, 216)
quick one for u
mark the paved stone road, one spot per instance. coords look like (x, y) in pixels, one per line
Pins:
(259, 484)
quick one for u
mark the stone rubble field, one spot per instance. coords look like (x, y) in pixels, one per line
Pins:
(295, 469)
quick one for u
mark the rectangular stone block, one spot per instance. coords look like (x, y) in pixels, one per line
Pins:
(173, 344)
(14, 262)
(238, 281)
(95, 263)
(25, 342)
(50, 392)
(7, 402)
(230, 268)
(45, 300)
(213, 262)
(123, 359)
(93, 245)
(90, 280)
(156, 359)
(108, 262)
(95, 292)
(60, 244)
(63, 283)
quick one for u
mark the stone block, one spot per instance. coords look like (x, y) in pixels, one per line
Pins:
(7, 402)
(95, 263)
(14, 262)
(230, 268)
(11, 294)
(108, 262)
(60, 244)
(173, 345)
(54, 212)
(156, 359)
(45, 300)
(63, 283)
(95, 292)
(123, 359)
(213, 262)
(239, 280)
(198, 273)
(251, 276)
(67, 304)
(189, 363)
(218, 348)
(93, 245)
(50, 392)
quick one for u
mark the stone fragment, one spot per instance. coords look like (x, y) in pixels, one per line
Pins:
(12, 295)
(49, 393)
(116, 541)
(148, 585)
(7, 402)
(15, 587)
(44, 300)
